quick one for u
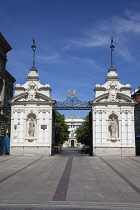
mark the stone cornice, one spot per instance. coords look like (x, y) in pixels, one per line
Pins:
(125, 88)
(4, 44)
(19, 88)
(51, 102)
(32, 78)
(92, 103)
(121, 99)
(44, 88)
(7, 74)
(99, 89)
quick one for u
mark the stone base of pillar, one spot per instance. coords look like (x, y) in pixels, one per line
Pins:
(111, 151)
(36, 150)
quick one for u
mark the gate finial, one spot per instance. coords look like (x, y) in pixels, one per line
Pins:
(33, 48)
(112, 47)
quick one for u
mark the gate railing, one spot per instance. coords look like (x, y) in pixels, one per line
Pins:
(72, 103)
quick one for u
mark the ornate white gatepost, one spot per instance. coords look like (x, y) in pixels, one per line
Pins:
(113, 118)
(31, 120)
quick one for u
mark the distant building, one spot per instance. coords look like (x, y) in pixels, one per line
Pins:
(6, 85)
(73, 122)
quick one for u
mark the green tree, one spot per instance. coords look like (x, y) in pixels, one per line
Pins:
(61, 129)
(82, 133)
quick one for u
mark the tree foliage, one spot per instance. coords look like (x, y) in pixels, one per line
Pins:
(82, 133)
(61, 129)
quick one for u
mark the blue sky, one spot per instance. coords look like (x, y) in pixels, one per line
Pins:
(73, 43)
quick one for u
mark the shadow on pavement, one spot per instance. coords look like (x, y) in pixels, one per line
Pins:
(71, 151)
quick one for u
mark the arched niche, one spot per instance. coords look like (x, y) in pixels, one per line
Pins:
(31, 126)
(113, 127)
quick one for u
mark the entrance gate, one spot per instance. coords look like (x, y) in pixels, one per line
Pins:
(73, 103)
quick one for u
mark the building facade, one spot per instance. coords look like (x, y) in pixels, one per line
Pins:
(73, 122)
(113, 118)
(31, 118)
(6, 85)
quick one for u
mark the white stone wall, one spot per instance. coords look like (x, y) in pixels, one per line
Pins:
(31, 108)
(41, 142)
(124, 145)
(113, 118)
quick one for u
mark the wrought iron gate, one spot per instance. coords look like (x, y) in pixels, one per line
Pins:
(73, 103)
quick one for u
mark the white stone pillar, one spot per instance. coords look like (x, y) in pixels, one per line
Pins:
(21, 126)
(130, 126)
(123, 128)
(46, 133)
(93, 129)
(98, 128)
(15, 127)
(40, 131)
(103, 134)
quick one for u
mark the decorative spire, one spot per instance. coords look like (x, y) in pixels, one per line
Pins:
(112, 47)
(33, 48)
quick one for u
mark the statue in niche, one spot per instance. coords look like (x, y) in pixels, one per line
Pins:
(31, 128)
(113, 128)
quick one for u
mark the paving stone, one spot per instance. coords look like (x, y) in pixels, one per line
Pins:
(75, 196)
(113, 197)
(91, 179)
(131, 197)
(42, 196)
(8, 195)
(94, 197)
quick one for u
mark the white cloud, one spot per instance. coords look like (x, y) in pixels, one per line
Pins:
(54, 57)
(65, 58)
(100, 36)
(93, 40)
(88, 62)
(123, 51)
(125, 26)
(122, 28)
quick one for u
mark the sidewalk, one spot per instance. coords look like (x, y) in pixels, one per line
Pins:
(69, 180)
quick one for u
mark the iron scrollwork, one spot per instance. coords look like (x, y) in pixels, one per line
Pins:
(72, 103)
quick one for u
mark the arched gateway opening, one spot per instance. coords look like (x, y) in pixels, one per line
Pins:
(72, 103)
(72, 143)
